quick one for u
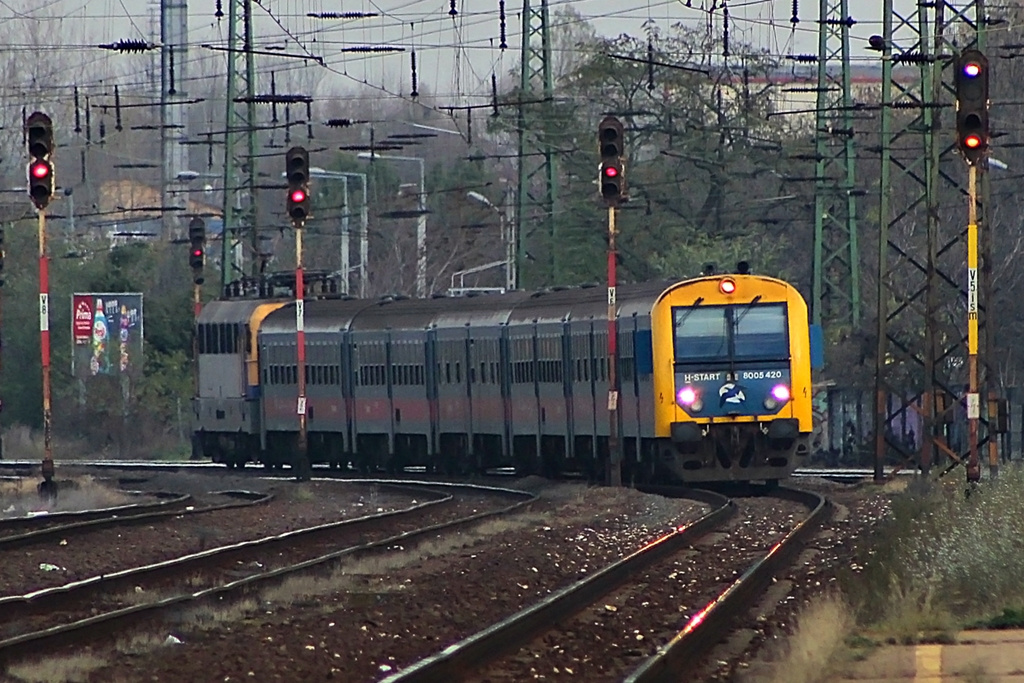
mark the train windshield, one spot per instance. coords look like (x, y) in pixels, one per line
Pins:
(752, 331)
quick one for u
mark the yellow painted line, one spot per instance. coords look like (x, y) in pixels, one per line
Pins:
(928, 661)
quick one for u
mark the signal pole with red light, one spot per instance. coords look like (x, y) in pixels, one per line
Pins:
(972, 123)
(196, 261)
(39, 136)
(297, 171)
(973, 135)
(611, 180)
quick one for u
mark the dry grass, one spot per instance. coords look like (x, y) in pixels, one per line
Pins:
(940, 560)
(820, 632)
(71, 669)
(17, 497)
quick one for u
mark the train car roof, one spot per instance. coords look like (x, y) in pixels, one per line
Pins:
(583, 303)
(401, 314)
(484, 310)
(238, 311)
(319, 315)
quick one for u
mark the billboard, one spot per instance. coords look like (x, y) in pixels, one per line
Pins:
(106, 331)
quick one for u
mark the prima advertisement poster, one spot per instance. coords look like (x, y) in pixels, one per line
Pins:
(106, 329)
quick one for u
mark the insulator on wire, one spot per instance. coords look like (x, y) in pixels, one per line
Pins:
(123, 46)
(220, 11)
(415, 85)
(650, 64)
(287, 124)
(88, 121)
(171, 90)
(342, 15)
(309, 120)
(501, 17)
(494, 94)
(273, 102)
(209, 151)
(453, 12)
(725, 29)
(78, 113)
(795, 19)
(103, 128)
(373, 48)
(117, 109)
(81, 162)
(339, 123)
(469, 126)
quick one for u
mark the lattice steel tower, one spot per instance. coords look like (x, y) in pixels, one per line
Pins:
(919, 357)
(835, 286)
(537, 176)
(240, 173)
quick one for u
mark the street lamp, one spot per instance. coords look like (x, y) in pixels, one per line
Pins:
(508, 236)
(421, 220)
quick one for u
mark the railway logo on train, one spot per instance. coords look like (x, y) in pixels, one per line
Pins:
(715, 381)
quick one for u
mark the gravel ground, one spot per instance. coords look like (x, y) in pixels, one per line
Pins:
(859, 509)
(378, 616)
(608, 641)
(88, 553)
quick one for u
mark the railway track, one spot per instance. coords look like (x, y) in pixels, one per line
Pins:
(65, 617)
(47, 527)
(486, 650)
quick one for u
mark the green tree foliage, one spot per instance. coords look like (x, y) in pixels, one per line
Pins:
(705, 163)
(96, 409)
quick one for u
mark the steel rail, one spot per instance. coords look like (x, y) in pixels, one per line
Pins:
(84, 631)
(458, 661)
(166, 500)
(678, 659)
(250, 498)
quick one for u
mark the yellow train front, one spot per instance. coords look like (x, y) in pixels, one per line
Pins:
(732, 379)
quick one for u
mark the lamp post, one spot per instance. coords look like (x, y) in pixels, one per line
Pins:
(421, 220)
(364, 244)
(508, 237)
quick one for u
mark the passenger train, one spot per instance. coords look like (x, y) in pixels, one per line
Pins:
(714, 374)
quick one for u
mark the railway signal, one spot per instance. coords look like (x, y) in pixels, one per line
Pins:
(39, 135)
(972, 125)
(611, 142)
(297, 170)
(197, 248)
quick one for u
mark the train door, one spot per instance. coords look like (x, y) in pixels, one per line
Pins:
(487, 399)
(553, 420)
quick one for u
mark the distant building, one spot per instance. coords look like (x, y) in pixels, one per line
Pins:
(131, 210)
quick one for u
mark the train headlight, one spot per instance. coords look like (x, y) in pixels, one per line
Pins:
(697, 406)
(778, 395)
(727, 285)
(686, 397)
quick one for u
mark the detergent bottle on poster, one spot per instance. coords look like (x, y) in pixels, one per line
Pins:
(100, 338)
(124, 338)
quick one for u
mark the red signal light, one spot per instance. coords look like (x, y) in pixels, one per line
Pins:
(972, 141)
(298, 196)
(197, 252)
(727, 286)
(40, 170)
(611, 171)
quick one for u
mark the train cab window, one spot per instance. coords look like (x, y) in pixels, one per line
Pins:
(759, 332)
(447, 373)
(458, 372)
